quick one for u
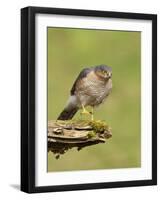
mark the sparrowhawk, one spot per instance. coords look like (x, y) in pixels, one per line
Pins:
(91, 88)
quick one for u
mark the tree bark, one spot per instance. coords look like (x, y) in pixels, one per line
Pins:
(65, 135)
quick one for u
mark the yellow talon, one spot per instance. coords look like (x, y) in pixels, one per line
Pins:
(84, 111)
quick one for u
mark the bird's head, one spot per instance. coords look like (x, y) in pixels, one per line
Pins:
(103, 72)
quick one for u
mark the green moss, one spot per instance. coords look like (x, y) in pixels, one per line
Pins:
(98, 126)
(91, 134)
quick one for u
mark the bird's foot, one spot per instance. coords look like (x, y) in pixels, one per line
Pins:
(86, 112)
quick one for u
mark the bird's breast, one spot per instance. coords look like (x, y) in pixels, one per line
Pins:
(93, 91)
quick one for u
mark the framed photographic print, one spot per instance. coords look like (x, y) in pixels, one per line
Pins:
(88, 99)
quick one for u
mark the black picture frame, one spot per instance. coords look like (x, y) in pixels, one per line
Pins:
(28, 98)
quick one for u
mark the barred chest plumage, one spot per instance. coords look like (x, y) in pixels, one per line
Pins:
(92, 91)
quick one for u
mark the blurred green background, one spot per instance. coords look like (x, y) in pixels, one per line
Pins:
(71, 50)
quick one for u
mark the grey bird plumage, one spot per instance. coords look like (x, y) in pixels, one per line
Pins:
(91, 88)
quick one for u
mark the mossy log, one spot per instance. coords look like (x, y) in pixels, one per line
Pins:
(64, 135)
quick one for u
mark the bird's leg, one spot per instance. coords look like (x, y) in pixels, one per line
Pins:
(92, 113)
(84, 111)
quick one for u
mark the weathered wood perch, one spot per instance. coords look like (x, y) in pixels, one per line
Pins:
(64, 135)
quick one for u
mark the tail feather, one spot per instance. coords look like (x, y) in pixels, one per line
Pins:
(68, 113)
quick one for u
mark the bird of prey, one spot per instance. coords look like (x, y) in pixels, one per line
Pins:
(91, 88)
